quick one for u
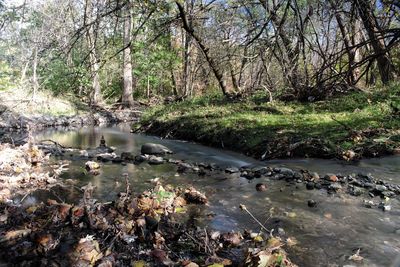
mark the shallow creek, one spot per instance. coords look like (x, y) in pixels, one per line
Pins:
(327, 235)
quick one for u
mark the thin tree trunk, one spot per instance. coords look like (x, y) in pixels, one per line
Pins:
(23, 73)
(93, 60)
(376, 37)
(213, 65)
(127, 98)
(148, 87)
(34, 70)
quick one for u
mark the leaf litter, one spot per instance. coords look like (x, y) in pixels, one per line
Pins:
(133, 230)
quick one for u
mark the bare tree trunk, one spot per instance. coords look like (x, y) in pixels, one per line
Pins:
(187, 42)
(93, 60)
(23, 73)
(148, 87)
(127, 98)
(186, 66)
(34, 70)
(350, 78)
(376, 37)
(213, 65)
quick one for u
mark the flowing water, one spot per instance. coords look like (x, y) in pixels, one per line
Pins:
(327, 235)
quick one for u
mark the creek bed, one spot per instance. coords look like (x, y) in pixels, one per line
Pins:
(327, 234)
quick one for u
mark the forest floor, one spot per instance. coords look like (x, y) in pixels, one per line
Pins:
(352, 126)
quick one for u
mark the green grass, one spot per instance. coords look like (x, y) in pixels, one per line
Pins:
(250, 125)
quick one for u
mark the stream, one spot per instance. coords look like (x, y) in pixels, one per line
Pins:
(327, 235)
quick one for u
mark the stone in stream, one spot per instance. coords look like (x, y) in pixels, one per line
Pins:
(388, 194)
(318, 186)
(128, 156)
(140, 158)
(262, 171)
(288, 173)
(312, 203)
(315, 176)
(92, 165)
(335, 187)
(368, 185)
(183, 167)
(331, 177)
(155, 149)
(105, 157)
(231, 170)
(261, 187)
(384, 206)
(380, 188)
(310, 185)
(154, 160)
(356, 191)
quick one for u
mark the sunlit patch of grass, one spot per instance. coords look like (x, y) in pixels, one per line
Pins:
(244, 124)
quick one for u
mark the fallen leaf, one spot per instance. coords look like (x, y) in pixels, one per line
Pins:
(31, 209)
(139, 264)
(14, 234)
(291, 241)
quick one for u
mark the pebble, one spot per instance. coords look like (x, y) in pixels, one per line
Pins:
(231, 170)
(315, 176)
(281, 231)
(384, 207)
(335, 187)
(331, 177)
(357, 191)
(380, 188)
(154, 160)
(388, 194)
(285, 171)
(369, 204)
(312, 203)
(261, 187)
(310, 186)
(318, 186)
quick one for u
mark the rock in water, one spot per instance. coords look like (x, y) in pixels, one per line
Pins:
(155, 149)
(312, 203)
(102, 142)
(156, 160)
(195, 197)
(92, 165)
(261, 187)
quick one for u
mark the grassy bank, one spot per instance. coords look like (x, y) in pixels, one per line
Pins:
(366, 123)
(21, 101)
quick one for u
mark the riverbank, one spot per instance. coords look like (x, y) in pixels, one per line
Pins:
(19, 111)
(352, 126)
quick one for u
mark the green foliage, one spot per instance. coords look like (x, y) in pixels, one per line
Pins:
(61, 78)
(5, 76)
(153, 66)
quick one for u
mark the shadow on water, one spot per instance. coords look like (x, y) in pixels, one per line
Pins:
(327, 235)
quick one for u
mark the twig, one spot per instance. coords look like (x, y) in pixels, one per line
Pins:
(22, 200)
(206, 241)
(54, 142)
(55, 194)
(243, 207)
(343, 124)
(112, 241)
(196, 241)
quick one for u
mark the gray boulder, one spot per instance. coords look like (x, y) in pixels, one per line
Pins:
(155, 149)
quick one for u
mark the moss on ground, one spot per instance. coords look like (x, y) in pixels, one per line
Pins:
(365, 122)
